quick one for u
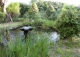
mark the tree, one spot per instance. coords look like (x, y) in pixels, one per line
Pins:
(14, 10)
(42, 6)
(50, 11)
(2, 4)
(33, 11)
(24, 9)
(34, 1)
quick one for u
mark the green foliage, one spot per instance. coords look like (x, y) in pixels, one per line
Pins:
(42, 23)
(37, 22)
(67, 23)
(33, 8)
(2, 16)
(14, 9)
(33, 1)
(47, 24)
(19, 19)
(0, 9)
(33, 47)
(24, 8)
(50, 12)
(42, 6)
(33, 11)
(65, 48)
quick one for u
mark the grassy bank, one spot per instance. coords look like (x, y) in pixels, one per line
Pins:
(10, 24)
(36, 46)
(41, 48)
(41, 23)
(65, 49)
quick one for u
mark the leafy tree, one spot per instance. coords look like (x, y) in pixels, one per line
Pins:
(42, 6)
(34, 1)
(2, 4)
(24, 8)
(46, 7)
(33, 11)
(34, 8)
(50, 11)
(14, 9)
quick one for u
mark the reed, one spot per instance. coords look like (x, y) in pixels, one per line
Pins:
(34, 46)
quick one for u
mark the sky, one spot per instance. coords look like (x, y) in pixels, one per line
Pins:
(74, 2)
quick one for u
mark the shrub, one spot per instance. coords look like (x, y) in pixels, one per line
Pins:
(38, 22)
(19, 19)
(2, 16)
(68, 24)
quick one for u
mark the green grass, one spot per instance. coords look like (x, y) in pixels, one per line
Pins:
(34, 46)
(65, 49)
(42, 23)
(48, 23)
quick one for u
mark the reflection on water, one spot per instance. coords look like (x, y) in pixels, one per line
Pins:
(54, 37)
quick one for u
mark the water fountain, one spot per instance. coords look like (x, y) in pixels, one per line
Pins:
(26, 29)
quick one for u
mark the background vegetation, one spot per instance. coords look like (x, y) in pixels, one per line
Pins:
(63, 18)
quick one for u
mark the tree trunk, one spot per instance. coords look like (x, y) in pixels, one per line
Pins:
(8, 17)
(2, 5)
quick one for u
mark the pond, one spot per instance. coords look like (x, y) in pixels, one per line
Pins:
(53, 35)
(13, 33)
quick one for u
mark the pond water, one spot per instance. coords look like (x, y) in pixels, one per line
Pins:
(53, 35)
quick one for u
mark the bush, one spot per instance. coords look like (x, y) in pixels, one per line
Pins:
(19, 19)
(2, 16)
(24, 8)
(38, 22)
(68, 24)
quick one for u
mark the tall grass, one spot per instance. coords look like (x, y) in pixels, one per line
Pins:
(48, 23)
(34, 46)
(42, 23)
